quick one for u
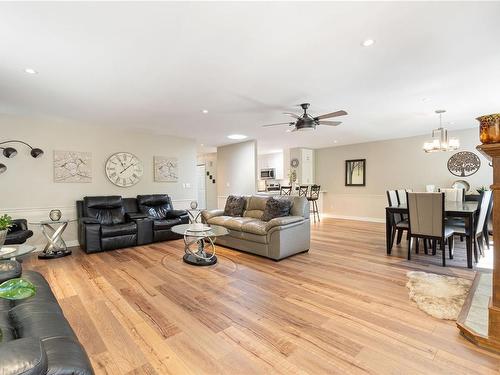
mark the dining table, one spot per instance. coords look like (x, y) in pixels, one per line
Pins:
(465, 210)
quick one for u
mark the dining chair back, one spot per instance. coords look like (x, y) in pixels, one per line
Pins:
(430, 188)
(483, 211)
(402, 195)
(285, 190)
(426, 214)
(303, 189)
(393, 200)
(453, 195)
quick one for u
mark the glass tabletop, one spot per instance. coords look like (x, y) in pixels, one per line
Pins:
(43, 221)
(12, 251)
(196, 230)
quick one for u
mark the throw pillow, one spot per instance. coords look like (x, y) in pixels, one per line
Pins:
(234, 206)
(276, 208)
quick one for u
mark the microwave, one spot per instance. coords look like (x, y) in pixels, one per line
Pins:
(267, 174)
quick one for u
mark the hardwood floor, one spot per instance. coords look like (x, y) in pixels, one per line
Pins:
(341, 308)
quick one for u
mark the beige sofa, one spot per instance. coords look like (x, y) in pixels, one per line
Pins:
(275, 239)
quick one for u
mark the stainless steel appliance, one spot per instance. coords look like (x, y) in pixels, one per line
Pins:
(273, 187)
(268, 174)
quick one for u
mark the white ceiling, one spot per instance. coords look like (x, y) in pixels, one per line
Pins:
(155, 66)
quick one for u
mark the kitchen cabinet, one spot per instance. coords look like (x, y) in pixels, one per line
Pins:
(274, 160)
(305, 169)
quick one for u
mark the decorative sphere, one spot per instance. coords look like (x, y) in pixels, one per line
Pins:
(55, 215)
(194, 205)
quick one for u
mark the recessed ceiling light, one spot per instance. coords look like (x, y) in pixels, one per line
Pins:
(237, 136)
(205, 111)
(201, 144)
(368, 43)
(335, 141)
(30, 71)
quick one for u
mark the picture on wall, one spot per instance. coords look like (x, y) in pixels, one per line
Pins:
(355, 172)
(166, 169)
(72, 166)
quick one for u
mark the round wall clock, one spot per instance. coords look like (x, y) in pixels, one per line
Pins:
(294, 163)
(124, 169)
(463, 164)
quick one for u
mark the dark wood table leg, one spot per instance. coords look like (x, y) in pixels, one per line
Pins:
(388, 231)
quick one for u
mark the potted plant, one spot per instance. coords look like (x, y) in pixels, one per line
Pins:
(5, 224)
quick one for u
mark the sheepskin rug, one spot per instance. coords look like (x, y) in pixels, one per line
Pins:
(439, 296)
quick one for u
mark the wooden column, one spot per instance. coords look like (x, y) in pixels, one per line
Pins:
(492, 152)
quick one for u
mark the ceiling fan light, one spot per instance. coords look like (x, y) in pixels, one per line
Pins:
(3, 168)
(9, 152)
(36, 152)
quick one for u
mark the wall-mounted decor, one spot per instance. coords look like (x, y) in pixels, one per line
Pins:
(166, 169)
(72, 166)
(10, 152)
(464, 163)
(294, 163)
(124, 169)
(355, 172)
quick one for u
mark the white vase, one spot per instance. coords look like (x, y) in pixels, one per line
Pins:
(3, 235)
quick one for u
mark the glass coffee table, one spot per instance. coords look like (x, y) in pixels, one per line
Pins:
(13, 251)
(199, 242)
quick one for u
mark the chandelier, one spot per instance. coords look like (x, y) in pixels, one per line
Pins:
(440, 141)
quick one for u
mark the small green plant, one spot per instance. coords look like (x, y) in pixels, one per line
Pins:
(481, 189)
(5, 222)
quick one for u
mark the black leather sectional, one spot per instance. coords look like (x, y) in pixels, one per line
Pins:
(113, 222)
(18, 233)
(36, 338)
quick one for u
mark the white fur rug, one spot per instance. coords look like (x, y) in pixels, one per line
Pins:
(439, 296)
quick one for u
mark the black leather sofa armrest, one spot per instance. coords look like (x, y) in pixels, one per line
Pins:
(18, 225)
(135, 216)
(175, 214)
(89, 220)
(24, 356)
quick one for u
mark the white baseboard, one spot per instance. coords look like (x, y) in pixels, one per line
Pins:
(357, 218)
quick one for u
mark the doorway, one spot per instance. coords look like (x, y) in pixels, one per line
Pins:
(202, 189)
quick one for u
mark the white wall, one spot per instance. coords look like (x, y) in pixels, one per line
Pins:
(392, 164)
(236, 170)
(210, 163)
(27, 187)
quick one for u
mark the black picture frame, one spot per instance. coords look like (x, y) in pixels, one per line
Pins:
(355, 166)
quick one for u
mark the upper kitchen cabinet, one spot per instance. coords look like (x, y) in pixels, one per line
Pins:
(274, 161)
(302, 160)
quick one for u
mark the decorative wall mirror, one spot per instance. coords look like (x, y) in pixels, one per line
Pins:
(355, 172)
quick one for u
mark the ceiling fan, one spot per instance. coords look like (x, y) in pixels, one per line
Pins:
(308, 122)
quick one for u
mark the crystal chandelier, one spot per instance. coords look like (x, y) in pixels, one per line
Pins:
(440, 141)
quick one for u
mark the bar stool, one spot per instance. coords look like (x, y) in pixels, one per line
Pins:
(285, 190)
(313, 199)
(303, 190)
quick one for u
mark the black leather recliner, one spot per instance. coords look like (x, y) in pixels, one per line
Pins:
(103, 224)
(158, 208)
(18, 233)
(36, 337)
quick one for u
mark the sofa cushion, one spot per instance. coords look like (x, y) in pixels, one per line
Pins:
(255, 227)
(25, 356)
(165, 224)
(276, 208)
(255, 205)
(218, 220)
(235, 206)
(236, 223)
(118, 229)
(278, 221)
(108, 210)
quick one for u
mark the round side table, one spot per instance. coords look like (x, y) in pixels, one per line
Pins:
(53, 230)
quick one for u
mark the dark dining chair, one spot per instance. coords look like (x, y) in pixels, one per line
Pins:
(313, 199)
(399, 223)
(481, 222)
(426, 221)
(303, 190)
(285, 190)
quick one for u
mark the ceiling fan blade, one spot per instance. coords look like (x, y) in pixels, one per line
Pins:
(291, 114)
(332, 114)
(279, 123)
(330, 123)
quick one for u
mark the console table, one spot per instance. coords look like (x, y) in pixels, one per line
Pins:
(53, 230)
